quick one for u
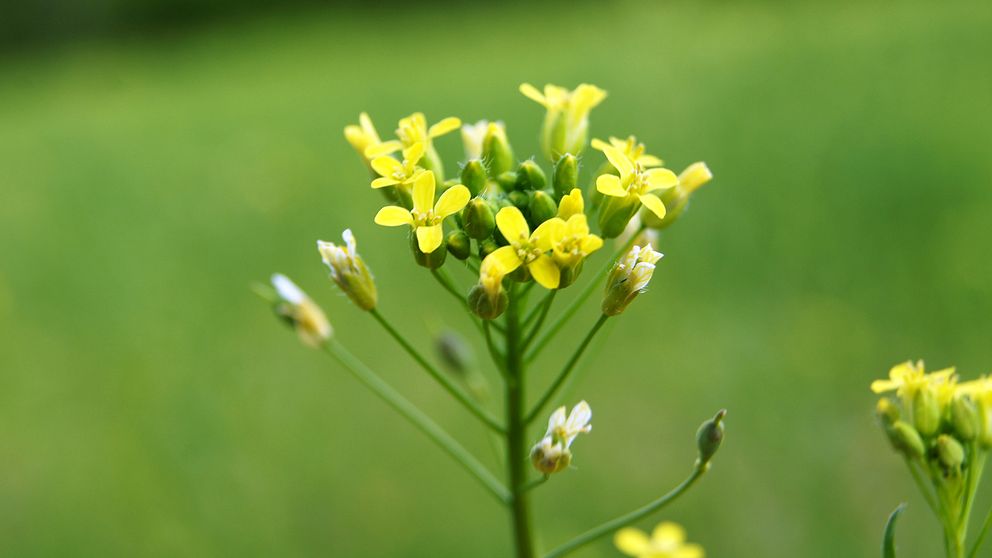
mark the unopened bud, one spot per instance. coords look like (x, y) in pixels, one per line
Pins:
(459, 244)
(628, 278)
(542, 207)
(432, 260)
(348, 270)
(887, 412)
(474, 176)
(496, 150)
(478, 219)
(926, 411)
(486, 247)
(965, 418)
(709, 437)
(507, 180)
(520, 200)
(905, 439)
(950, 452)
(550, 457)
(615, 213)
(530, 176)
(566, 175)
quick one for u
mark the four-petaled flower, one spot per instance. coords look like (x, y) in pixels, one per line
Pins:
(573, 242)
(526, 249)
(553, 454)
(635, 181)
(908, 377)
(633, 149)
(412, 130)
(426, 217)
(393, 172)
(566, 124)
(666, 541)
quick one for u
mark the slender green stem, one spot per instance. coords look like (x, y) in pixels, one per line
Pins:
(971, 486)
(536, 482)
(624, 520)
(452, 388)
(498, 357)
(516, 433)
(537, 309)
(922, 486)
(545, 308)
(569, 366)
(981, 535)
(409, 411)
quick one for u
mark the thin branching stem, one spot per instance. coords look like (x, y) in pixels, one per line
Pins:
(545, 307)
(981, 535)
(420, 420)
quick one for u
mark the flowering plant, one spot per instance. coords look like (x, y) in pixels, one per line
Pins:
(515, 230)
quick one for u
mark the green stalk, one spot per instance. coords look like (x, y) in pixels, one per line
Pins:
(544, 308)
(456, 392)
(981, 535)
(516, 432)
(410, 412)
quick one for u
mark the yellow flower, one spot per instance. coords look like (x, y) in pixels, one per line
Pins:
(566, 124)
(296, 307)
(979, 390)
(666, 541)
(633, 149)
(634, 181)
(694, 176)
(526, 249)
(571, 204)
(393, 172)
(426, 217)
(573, 242)
(907, 378)
(412, 130)
(362, 136)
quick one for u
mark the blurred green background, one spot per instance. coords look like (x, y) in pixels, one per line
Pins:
(151, 406)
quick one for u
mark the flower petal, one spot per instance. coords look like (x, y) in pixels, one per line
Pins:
(423, 192)
(393, 216)
(444, 126)
(632, 542)
(659, 179)
(413, 154)
(384, 181)
(452, 201)
(384, 148)
(598, 144)
(557, 419)
(668, 532)
(502, 260)
(609, 185)
(579, 417)
(386, 165)
(545, 272)
(512, 224)
(654, 204)
(619, 160)
(429, 238)
(689, 551)
(547, 232)
(533, 94)
(590, 244)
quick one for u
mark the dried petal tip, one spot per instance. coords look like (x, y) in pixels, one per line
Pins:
(294, 306)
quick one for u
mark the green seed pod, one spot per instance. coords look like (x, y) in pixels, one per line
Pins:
(926, 412)
(950, 452)
(887, 411)
(615, 213)
(478, 219)
(433, 260)
(905, 439)
(474, 176)
(542, 207)
(496, 150)
(459, 244)
(965, 418)
(485, 304)
(709, 437)
(530, 176)
(486, 247)
(566, 175)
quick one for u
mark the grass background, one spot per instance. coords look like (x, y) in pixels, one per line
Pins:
(151, 406)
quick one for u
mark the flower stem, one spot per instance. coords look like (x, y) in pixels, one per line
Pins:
(981, 535)
(516, 433)
(545, 307)
(569, 366)
(418, 418)
(457, 392)
(624, 520)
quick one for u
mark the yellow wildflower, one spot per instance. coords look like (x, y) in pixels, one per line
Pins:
(362, 136)
(566, 124)
(634, 181)
(396, 173)
(526, 249)
(666, 541)
(426, 217)
(412, 130)
(571, 204)
(573, 242)
(907, 378)
(634, 150)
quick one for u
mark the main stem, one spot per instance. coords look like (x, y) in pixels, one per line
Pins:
(516, 432)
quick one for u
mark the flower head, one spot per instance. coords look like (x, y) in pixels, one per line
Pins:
(303, 314)
(573, 242)
(362, 136)
(628, 278)
(398, 173)
(348, 270)
(666, 541)
(553, 454)
(634, 150)
(426, 216)
(526, 249)
(907, 378)
(412, 130)
(635, 182)
(566, 125)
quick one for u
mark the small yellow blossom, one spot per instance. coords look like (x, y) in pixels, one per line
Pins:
(566, 125)
(553, 454)
(362, 136)
(573, 242)
(666, 541)
(571, 204)
(396, 173)
(296, 307)
(412, 130)
(526, 249)
(694, 176)
(635, 182)
(426, 217)
(634, 150)
(907, 378)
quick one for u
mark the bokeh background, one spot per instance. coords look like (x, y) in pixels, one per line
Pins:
(156, 159)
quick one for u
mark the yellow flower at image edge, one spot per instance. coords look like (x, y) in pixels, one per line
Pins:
(630, 147)
(908, 377)
(635, 181)
(413, 129)
(426, 217)
(526, 249)
(666, 541)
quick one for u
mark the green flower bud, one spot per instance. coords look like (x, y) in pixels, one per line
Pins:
(950, 452)
(628, 278)
(520, 200)
(507, 180)
(433, 260)
(496, 150)
(486, 247)
(965, 418)
(615, 213)
(709, 437)
(348, 270)
(926, 412)
(474, 176)
(566, 175)
(487, 301)
(530, 176)
(478, 219)
(542, 207)
(887, 412)
(459, 244)
(905, 439)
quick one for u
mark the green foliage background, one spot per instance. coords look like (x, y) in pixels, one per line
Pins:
(151, 406)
